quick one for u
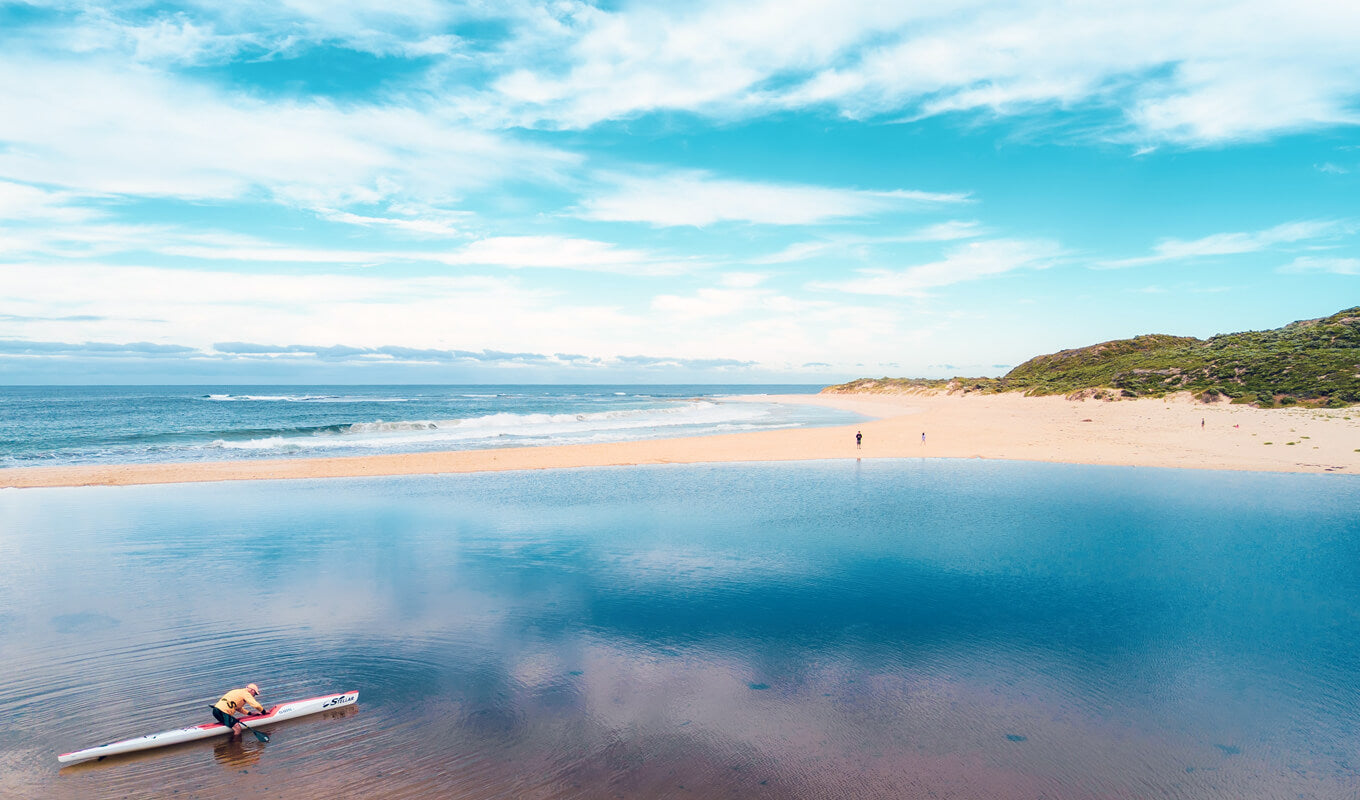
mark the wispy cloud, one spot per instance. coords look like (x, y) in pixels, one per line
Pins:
(692, 363)
(67, 318)
(1336, 266)
(205, 33)
(362, 317)
(96, 240)
(559, 252)
(22, 202)
(166, 136)
(842, 245)
(418, 221)
(195, 307)
(443, 181)
(335, 354)
(969, 262)
(1222, 244)
(276, 254)
(706, 303)
(16, 347)
(700, 199)
(1191, 73)
(385, 353)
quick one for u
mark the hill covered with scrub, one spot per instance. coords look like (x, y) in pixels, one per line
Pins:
(1311, 362)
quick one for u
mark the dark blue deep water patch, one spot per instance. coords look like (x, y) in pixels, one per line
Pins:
(874, 629)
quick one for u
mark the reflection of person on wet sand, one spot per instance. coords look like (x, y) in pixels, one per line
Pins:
(236, 753)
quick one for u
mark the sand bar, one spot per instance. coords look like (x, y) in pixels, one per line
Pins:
(1146, 432)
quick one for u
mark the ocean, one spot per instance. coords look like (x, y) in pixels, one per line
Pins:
(877, 629)
(51, 426)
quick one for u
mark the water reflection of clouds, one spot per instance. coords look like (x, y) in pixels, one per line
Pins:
(589, 625)
(885, 728)
(704, 568)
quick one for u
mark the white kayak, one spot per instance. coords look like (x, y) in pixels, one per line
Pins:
(279, 713)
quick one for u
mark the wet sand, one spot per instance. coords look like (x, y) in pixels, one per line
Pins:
(1173, 432)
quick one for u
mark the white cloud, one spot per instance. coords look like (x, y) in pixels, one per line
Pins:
(947, 231)
(1220, 244)
(203, 33)
(30, 203)
(63, 302)
(1193, 72)
(705, 303)
(742, 280)
(79, 239)
(161, 136)
(415, 220)
(858, 246)
(70, 240)
(699, 199)
(558, 252)
(1336, 266)
(94, 302)
(275, 254)
(778, 329)
(969, 262)
(1186, 72)
(798, 251)
(1217, 102)
(176, 40)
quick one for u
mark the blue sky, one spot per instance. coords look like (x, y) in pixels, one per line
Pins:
(308, 191)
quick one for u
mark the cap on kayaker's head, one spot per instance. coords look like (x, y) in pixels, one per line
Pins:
(252, 688)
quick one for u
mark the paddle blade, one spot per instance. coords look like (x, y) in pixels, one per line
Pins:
(261, 735)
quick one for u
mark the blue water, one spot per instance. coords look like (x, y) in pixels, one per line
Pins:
(964, 629)
(46, 425)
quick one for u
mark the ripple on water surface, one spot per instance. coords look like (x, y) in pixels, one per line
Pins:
(900, 629)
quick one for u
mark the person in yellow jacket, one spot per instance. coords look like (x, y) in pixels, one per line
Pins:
(232, 704)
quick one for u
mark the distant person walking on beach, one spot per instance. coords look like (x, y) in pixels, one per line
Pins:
(859, 437)
(923, 437)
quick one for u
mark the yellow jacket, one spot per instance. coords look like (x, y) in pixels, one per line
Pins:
(234, 702)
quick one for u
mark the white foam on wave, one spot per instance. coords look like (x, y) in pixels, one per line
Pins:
(301, 398)
(272, 443)
(508, 429)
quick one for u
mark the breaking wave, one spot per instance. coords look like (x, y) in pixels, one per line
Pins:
(502, 429)
(300, 398)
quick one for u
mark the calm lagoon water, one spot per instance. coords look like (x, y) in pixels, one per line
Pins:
(961, 629)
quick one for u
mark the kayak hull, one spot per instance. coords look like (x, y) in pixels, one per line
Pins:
(278, 713)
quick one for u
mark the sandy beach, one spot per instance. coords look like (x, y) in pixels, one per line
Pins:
(1173, 432)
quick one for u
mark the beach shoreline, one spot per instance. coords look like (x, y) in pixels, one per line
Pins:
(1174, 432)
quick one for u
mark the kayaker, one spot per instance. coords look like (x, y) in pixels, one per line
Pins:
(233, 703)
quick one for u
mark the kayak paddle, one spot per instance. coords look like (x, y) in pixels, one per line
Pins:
(261, 735)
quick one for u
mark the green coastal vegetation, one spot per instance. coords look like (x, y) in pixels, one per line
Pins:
(1312, 362)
